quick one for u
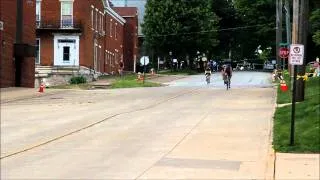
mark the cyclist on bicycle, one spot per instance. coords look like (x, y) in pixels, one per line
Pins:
(226, 73)
(207, 73)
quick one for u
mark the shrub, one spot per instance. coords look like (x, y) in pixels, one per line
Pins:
(78, 80)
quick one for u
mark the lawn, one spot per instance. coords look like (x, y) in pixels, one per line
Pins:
(307, 120)
(130, 81)
(179, 72)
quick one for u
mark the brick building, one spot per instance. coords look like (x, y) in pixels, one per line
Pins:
(130, 51)
(17, 43)
(77, 37)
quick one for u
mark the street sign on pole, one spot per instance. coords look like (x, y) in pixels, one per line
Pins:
(296, 54)
(284, 52)
(1, 25)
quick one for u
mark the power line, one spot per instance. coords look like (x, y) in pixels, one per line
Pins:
(218, 30)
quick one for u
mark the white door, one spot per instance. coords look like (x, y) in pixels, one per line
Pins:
(66, 52)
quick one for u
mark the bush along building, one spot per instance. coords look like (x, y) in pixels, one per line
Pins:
(77, 38)
(17, 40)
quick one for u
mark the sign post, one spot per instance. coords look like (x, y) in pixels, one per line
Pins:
(295, 58)
(283, 53)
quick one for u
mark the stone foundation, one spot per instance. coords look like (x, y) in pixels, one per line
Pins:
(61, 75)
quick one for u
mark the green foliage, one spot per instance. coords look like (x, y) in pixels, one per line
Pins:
(307, 136)
(131, 82)
(315, 24)
(78, 80)
(180, 26)
(259, 15)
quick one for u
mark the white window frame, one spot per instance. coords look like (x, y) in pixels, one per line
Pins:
(110, 27)
(115, 31)
(61, 5)
(38, 20)
(103, 31)
(39, 52)
(96, 28)
(101, 22)
(92, 17)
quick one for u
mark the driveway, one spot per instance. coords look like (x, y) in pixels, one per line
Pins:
(179, 131)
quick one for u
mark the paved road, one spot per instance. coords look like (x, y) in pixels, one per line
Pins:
(173, 132)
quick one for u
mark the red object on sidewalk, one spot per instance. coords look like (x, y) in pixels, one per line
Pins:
(283, 87)
(41, 88)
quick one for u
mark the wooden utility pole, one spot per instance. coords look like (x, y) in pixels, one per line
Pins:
(299, 36)
(279, 30)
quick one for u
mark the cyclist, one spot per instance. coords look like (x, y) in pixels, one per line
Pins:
(226, 72)
(207, 73)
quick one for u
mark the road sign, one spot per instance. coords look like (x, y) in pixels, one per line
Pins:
(1, 25)
(296, 54)
(284, 52)
(144, 60)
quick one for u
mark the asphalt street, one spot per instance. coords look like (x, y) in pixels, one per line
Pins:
(186, 130)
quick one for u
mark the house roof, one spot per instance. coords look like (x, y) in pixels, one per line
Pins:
(111, 12)
(126, 11)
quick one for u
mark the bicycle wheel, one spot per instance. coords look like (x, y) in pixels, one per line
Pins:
(227, 82)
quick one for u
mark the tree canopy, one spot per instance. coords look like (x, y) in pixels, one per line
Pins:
(180, 26)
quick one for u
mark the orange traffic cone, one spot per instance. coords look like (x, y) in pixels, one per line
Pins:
(41, 88)
(283, 86)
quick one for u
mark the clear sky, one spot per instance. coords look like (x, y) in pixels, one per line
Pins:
(133, 3)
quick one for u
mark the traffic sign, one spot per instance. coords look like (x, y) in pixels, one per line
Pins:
(144, 60)
(296, 54)
(284, 52)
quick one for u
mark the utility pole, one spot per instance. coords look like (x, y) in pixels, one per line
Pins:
(299, 36)
(279, 30)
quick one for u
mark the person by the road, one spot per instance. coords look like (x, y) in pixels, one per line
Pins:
(207, 73)
(226, 73)
(121, 66)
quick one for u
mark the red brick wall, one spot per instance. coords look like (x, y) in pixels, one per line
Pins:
(46, 50)
(130, 14)
(7, 68)
(113, 43)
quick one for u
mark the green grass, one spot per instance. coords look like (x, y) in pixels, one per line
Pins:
(130, 81)
(84, 86)
(307, 121)
(179, 72)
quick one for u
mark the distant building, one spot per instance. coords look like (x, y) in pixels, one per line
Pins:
(130, 51)
(140, 4)
(77, 37)
(17, 51)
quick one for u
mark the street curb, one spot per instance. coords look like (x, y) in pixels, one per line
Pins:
(25, 97)
(271, 155)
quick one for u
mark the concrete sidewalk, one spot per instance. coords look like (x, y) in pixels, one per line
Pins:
(19, 93)
(297, 166)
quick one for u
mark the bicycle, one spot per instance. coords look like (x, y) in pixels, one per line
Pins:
(226, 79)
(208, 78)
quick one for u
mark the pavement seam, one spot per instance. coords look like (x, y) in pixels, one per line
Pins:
(30, 97)
(95, 123)
(177, 144)
(271, 156)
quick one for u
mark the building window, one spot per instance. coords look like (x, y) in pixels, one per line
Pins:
(92, 17)
(110, 27)
(102, 22)
(38, 13)
(37, 51)
(96, 20)
(115, 31)
(66, 14)
(66, 53)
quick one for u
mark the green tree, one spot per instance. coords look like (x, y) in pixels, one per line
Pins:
(228, 20)
(315, 24)
(180, 26)
(258, 19)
